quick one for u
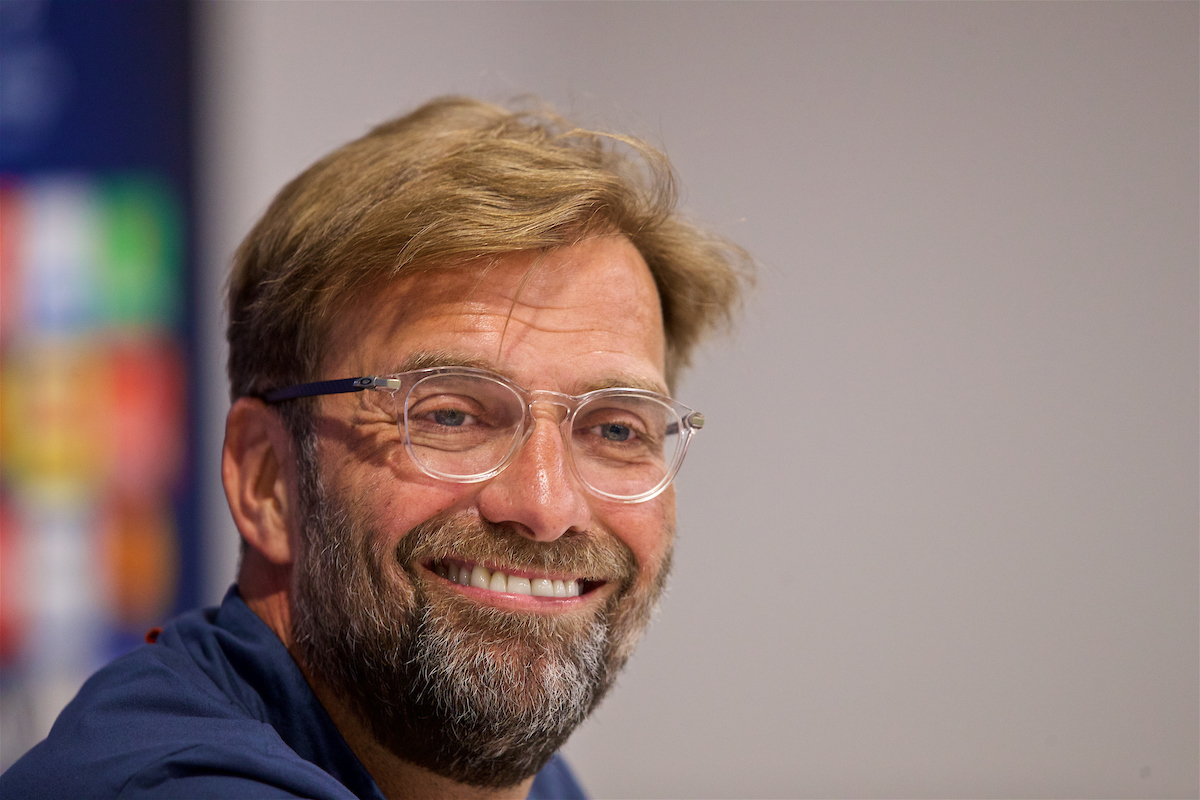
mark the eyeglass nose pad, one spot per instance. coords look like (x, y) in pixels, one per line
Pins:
(562, 405)
(561, 402)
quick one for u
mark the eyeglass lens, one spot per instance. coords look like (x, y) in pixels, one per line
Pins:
(465, 426)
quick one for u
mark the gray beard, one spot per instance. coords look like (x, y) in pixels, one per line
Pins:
(477, 694)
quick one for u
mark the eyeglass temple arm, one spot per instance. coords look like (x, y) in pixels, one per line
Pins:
(694, 420)
(340, 386)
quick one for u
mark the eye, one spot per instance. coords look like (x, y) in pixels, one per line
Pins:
(614, 432)
(447, 411)
(609, 428)
(450, 417)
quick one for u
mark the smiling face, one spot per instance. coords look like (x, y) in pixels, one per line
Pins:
(474, 625)
(586, 317)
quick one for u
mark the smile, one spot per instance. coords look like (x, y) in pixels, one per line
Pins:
(480, 577)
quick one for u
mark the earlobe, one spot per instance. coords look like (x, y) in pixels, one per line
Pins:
(256, 470)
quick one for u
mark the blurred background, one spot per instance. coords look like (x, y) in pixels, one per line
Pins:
(964, 558)
(100, 534)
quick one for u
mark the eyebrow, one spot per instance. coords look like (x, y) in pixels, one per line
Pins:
(430, 359)
(626, 381)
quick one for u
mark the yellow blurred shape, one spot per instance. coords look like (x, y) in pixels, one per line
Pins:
(53, 412)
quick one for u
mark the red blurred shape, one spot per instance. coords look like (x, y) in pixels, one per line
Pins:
(11, 289)
(148, 407)
(13, 611)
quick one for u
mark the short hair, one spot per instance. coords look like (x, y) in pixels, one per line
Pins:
(454, 181)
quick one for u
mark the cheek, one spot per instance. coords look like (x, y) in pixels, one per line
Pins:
(647, 529)
(390, 503)
(403, 506)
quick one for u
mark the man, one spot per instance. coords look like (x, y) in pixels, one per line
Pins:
(449, 456)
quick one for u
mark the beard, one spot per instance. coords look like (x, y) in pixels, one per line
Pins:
(478, 694)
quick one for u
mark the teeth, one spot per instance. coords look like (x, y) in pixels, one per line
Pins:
(499, 582)
(482, 578)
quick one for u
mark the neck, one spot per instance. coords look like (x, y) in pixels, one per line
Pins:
(398, 779)
(264, 588)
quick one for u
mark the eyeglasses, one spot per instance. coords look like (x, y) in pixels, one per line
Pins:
(466, 425)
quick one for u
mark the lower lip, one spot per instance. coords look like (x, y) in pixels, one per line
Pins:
(521, 602)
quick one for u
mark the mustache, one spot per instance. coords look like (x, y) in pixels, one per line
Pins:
(593, 555)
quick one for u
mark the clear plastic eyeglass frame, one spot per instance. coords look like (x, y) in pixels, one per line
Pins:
(679, 423)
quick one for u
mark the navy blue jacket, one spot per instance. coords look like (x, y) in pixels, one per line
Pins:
(216, 708)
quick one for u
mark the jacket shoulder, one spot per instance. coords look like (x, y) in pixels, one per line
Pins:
(153, 723)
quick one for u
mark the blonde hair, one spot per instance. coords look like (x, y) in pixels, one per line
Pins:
(455, 180)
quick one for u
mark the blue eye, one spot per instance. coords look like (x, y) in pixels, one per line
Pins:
(615, 433)
(450, 417)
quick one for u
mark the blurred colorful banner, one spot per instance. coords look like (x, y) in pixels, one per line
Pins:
(97, 539)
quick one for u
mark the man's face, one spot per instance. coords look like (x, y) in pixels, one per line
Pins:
(477, 682)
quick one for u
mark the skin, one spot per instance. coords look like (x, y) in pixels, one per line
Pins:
(586, 317)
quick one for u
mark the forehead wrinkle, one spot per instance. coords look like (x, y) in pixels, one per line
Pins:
(601, 341)
(555, 318)
(513, 326)
(450, 321)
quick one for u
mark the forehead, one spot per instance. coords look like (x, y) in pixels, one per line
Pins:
(584, 314)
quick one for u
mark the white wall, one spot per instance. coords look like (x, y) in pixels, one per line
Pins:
(940, 537)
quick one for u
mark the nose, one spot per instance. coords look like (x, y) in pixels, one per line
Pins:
(538, 491)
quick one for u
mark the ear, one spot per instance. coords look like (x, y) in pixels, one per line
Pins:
(258, 471)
